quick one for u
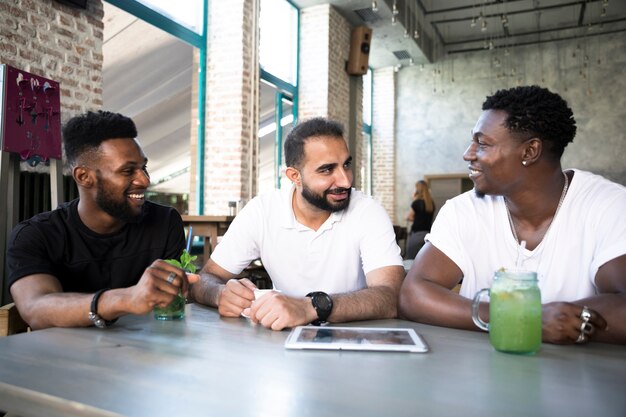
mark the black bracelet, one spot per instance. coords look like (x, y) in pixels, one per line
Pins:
(95, 318)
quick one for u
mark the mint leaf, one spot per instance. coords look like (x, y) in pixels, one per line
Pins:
(174, 262)
(186, 262)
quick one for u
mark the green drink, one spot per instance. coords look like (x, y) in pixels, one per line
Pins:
(174, 311)
(514, 312)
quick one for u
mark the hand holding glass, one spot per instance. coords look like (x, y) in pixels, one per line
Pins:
(176, 309)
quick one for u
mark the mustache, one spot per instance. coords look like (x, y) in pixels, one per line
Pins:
(338, 191)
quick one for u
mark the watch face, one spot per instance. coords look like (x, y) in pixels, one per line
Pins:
(323, 301)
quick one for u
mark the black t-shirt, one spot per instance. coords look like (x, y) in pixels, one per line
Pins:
(423, 220)
(58, 243)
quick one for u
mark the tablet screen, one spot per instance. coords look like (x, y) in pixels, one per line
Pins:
(355, 338)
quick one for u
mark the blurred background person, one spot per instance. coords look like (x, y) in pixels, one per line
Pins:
(420, 216)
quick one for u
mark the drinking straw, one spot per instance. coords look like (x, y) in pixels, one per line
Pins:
(189, 236)
(520, 253)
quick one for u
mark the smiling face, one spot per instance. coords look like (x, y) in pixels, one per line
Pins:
(495, 155)
(326, 173)
(122, 179)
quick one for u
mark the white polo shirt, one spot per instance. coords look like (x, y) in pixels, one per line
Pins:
(333, 259)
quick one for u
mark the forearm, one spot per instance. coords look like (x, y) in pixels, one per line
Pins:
(427, 302)
(613, 308)
(57, 310)
(377, 302)
(207, 290)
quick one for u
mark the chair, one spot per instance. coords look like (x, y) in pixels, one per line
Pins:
(401, 235)
(414, 243)
(10, 321)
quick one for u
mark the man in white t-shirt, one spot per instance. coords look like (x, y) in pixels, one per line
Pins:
(329, 250)
(572, 221)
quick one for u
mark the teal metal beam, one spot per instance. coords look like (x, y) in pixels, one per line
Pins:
(278, 138)
(162, 22)
(202, 74)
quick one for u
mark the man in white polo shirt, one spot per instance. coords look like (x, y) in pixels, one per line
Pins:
(330, 250)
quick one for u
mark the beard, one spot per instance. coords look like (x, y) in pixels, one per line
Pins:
(118, 209)
(479, 194)
(321, 201)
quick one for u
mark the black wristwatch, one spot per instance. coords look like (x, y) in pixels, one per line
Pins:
(323, 305)
(93, 314)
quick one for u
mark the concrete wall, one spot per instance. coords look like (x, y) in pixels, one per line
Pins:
(437, 105)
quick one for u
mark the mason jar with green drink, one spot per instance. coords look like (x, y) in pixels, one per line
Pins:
(176, 309)
(514, 312)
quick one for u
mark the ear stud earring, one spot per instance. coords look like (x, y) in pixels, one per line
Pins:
(524, 163)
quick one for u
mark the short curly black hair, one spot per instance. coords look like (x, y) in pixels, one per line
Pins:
(315, 127)
(84, 133)
(537, 111)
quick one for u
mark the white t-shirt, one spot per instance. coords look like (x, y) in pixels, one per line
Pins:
(333, 259)
(588, 231)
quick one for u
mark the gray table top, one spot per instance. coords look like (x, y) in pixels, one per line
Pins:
(207, 365)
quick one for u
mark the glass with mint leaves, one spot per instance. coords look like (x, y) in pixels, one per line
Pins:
(176, 309)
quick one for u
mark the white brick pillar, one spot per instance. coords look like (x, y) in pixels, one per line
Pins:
(384, 139)
(231, 105)
(325, 89)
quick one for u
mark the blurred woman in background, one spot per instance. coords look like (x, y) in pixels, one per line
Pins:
(421, 216)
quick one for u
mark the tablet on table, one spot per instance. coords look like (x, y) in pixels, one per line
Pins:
(356, 338)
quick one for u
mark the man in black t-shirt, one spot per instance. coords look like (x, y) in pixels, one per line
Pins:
(97, 258)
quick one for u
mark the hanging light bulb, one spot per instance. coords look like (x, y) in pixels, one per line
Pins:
(506, 51)
(421, 67)
(603, 14)
(491, 46)
(483, 26)
(394, 9)
(504, 20)
(394, 19)
(411, 62)
(481, 16)
(374, 6)
(485, 44)
(473, 24)
(406, 34)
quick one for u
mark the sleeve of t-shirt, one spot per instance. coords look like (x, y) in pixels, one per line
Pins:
(609, 230)
(239, 245)
(175, 236)
(27, 253)
(378, 243)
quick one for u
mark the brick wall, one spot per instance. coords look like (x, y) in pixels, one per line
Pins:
(384, 139)
(324, 85)
(58, 42)
(231, 105)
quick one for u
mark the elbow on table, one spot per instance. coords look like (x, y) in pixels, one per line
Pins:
(409, 302)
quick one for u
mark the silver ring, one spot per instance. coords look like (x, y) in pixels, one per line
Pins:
(581, 338)
(171, 277)
(586, 328)
(585, 314)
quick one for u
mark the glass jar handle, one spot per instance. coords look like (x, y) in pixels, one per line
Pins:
(475, 305)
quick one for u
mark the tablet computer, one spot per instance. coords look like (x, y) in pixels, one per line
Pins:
(355, 338)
